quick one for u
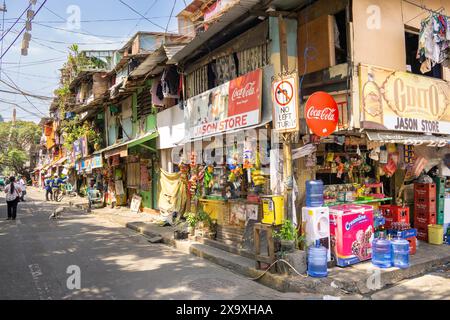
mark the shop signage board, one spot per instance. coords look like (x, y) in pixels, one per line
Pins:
(88, 164)
(321, 114)
(401, 101)
(285, 104)
(235, 104)
(135, 204)
(97, 161)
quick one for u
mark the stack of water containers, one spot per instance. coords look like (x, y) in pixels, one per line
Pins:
(316, 220)
(387, 253)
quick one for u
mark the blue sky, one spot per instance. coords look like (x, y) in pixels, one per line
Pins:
(38, 73)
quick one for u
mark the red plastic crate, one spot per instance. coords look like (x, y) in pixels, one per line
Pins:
(412, 245)
(424, 218)
(424, 191)
(422, 232)
(396, 214)
(425, 205)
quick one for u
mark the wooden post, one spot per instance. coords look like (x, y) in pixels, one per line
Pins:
(287, 150)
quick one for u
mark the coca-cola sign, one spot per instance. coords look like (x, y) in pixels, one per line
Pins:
(321, 113)
(233, 105)
(244, 92)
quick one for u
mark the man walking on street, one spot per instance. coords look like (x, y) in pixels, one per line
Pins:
(48, 188)
(23, 186)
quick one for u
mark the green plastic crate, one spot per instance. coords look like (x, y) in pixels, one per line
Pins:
(440, 217)
(440, 202)
(440, 185)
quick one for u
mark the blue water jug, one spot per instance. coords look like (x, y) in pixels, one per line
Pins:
(317, 261)
(314, 193)
(382, 252)
(400, 253)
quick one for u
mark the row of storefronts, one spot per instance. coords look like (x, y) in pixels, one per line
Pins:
(214, 142)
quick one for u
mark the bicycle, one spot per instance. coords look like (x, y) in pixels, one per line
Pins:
(62, 191)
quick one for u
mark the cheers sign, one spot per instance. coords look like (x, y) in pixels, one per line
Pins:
(321, 113)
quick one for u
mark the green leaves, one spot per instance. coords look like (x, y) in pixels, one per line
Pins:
(287, 231)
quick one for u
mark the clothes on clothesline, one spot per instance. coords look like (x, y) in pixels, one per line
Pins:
(434, 42)
(170, 81)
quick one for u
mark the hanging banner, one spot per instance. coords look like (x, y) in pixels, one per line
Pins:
(285, 104)
(88, 164)
(401, 101)
(97, 161)
(233, 105)
(321, 114)
(84, 146)
(77, 148)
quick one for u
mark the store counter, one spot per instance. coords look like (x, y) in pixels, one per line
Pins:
(231, 212)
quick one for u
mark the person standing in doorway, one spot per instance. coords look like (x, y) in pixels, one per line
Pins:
(13, 193)
(23, 186)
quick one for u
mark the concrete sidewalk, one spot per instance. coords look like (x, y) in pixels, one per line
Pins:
(357, 281)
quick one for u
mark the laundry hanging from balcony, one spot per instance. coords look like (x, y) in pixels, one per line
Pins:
(434, 42)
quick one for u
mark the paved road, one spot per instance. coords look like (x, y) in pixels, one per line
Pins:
(115, 263)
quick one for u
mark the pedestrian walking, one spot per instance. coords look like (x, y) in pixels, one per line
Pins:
(13, 193)
(48, 188)
(23, 186)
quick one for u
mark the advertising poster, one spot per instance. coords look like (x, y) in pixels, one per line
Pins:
(401, 101)
(233, 105)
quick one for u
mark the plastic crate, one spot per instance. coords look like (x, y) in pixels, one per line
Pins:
(412, 244)
(404, 234)
(440, 202)
(424, 191)
(421, 218)
(422, 232)
(427, 205)
(440, 185)
(393, 213)
(440, 217)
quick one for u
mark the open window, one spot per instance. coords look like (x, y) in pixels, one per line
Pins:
(322, 42)
(413, 65)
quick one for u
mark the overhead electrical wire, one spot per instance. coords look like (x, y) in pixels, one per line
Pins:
(14, 41)
(15, 22)
(17, 87)
(140, 19)
(141, 15)
(170, 18)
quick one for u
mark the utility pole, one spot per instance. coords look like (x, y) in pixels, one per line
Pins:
(3, 11)
(287, 137)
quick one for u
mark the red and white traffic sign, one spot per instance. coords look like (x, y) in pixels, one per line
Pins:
(285, 104)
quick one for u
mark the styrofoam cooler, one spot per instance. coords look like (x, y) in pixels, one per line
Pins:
(317, 226)
(351, 233)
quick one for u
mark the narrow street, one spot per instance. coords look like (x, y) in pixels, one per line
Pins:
(115, 263)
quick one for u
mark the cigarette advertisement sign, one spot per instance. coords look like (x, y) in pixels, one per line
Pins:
(401, 101)
(285, 104)
(235, 104)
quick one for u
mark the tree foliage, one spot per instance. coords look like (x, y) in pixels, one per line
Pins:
(15, 143)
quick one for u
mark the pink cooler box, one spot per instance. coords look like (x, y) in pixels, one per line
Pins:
(351, 232)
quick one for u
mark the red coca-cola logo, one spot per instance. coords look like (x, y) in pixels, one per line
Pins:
(321, 113)
(244, 92)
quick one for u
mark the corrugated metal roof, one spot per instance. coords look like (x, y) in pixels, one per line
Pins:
(172, 50)
(150, 62)
(234, 13)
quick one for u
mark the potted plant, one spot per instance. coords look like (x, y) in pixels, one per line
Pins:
(191, 219)
(288, 236)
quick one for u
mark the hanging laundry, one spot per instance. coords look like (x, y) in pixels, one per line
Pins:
(434, 42)
(225, 69)
(170, 81)
(157, 95)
